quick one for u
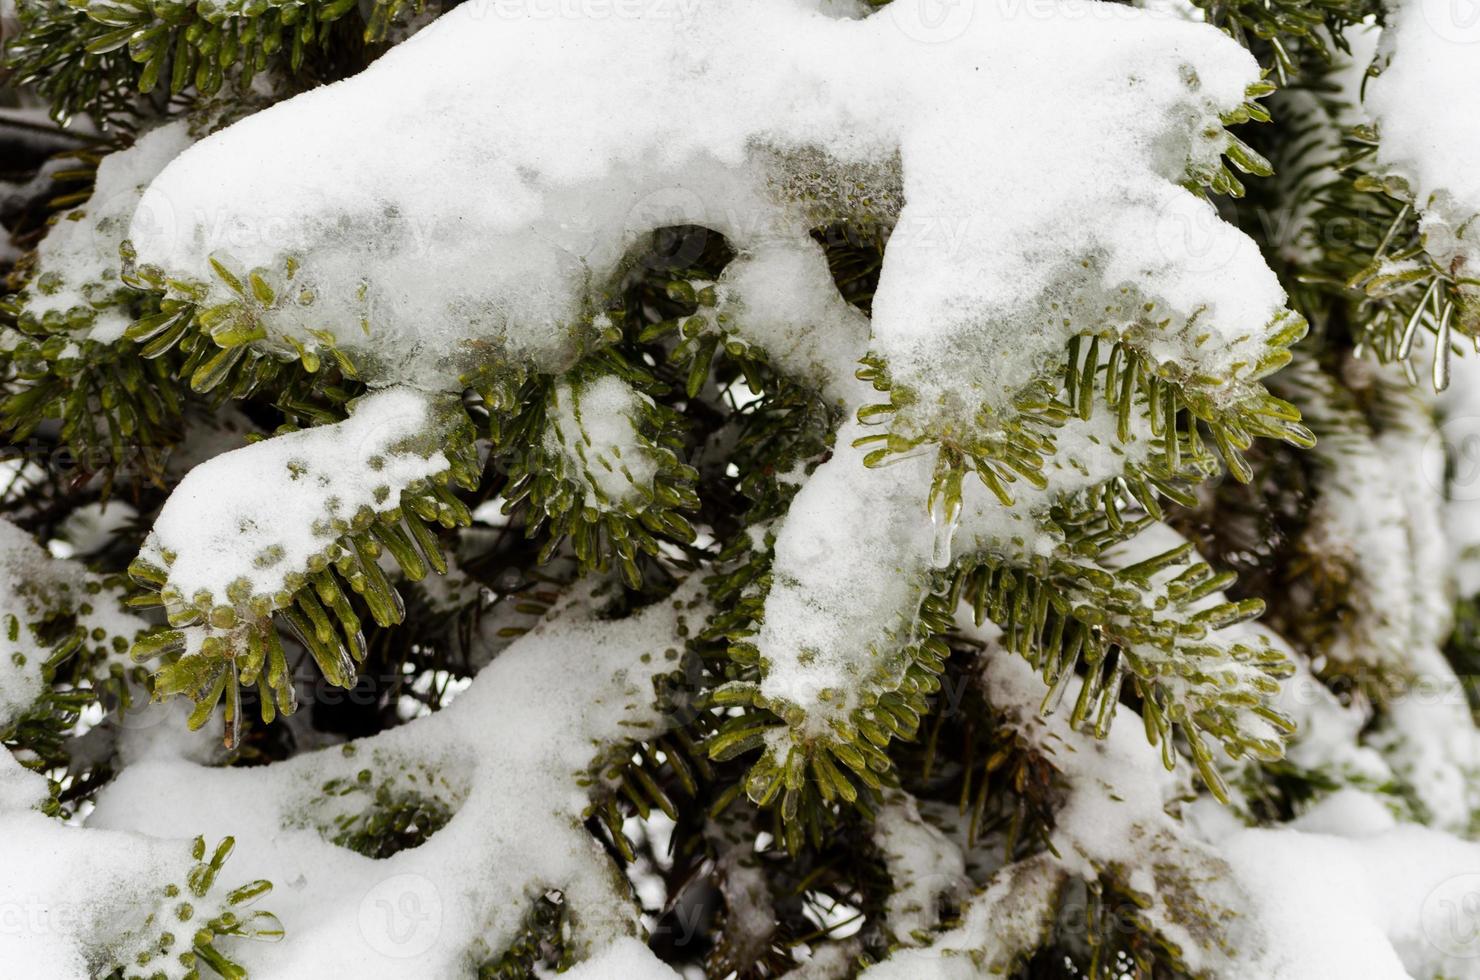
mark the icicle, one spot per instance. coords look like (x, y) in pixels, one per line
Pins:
(1405, 345)
(1441, 351)
(945, 518)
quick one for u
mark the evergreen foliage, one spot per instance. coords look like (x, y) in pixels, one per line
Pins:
(1181, 583)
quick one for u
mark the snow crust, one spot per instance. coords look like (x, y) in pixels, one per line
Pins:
(37, 589)
(595, 428)
(78, 262)
(704, 121)
(525, 737)
(1424, 104)
(256, 515)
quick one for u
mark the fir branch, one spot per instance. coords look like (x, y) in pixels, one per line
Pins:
(214, 645)
(106, 58)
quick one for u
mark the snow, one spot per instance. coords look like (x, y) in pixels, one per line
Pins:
(1090, 829)
(1327, 732)
(1458, 445)
(473, 199)
(1380, 517)
(1006, 920)
(750, 913)
(1340, 892)
(92, 527)
(596, 429)
(924, 867)
(625, 959)
(78, 262)
(245, 520)
(854, 553)
(1323, 118)
(837, 593)
(73, 897)
(1423, 103)
(74, 887)
(758, 122)
(1113, 819)
(1396, 903)
(1348, 811)
(21, 681)
(36, 588)
(772, 290)
(707, 120)
(1376, 514)
(526, 734)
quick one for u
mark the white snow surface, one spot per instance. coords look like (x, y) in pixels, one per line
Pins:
(472, 203)
(258, 513)
(474, 189)
(594, 427)
(1424, 102)
(518, 740)
(35, 588)
(78, 262)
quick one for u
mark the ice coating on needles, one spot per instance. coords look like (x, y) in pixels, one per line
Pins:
(279, 502)
(701, 120)
(78, 262)
(415, 281)
(1431, 142)
(760, 122)
(1012, 237)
